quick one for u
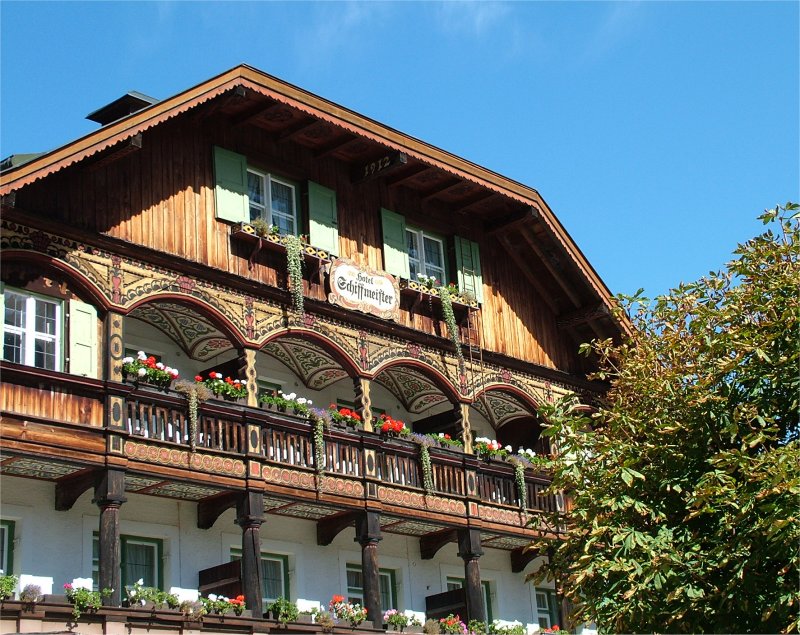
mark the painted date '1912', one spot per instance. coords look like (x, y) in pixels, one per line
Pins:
(376, 166)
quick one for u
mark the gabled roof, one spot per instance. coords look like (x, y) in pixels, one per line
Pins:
(251, 79)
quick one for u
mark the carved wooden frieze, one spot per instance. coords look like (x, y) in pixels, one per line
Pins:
(182, 458)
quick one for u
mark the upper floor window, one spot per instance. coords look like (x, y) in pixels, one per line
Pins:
(32, 330)
(273, 200)
(454, 582)
(425, 255)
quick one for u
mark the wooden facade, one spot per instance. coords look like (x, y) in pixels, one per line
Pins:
(128, 222)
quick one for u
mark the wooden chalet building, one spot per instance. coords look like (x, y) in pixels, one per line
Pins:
(143, 236)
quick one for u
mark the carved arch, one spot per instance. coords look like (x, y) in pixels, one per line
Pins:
(87, 289)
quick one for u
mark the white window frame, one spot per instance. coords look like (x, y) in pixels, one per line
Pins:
(419, 263)
(265, 210)
(27, 331)
(544, 611)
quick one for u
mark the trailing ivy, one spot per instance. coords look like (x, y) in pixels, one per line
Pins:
(424, 442)
(321, 420)
(294, 267)
(450, 319)
(519, 479)
(195, 393)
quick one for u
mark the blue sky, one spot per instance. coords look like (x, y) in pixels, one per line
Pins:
(656, 131)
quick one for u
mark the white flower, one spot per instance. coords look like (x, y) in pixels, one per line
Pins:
(309, 402)
(140, 581)
(508, 448)
(290, 396)
(142, 372)
(301, 400)
(141, 355)
(160, 366)
(127, 360)
(212, 597)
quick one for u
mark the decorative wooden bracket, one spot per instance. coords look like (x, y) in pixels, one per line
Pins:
(209, 509)
(70, 488)
(330, 527)
(431, 543)
(521, 557)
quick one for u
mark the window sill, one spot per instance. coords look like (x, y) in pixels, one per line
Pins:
(276, 242)
(411, 287)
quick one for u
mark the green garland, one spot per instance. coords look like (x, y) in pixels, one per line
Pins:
(319, 444)
(450, 320)
(522, 487)
(195, 393)
(294, 266)
(427, 470)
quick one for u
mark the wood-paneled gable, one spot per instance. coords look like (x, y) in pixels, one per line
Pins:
(162, 196)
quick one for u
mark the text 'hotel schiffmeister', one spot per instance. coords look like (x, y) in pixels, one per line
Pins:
(327, 430)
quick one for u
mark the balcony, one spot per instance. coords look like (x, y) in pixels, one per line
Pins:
(76, 423)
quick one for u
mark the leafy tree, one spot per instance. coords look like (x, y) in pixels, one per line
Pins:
(684, 481)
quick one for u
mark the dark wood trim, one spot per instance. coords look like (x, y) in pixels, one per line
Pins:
(430, 544)
(330, 527)
(210, 509)
(522, 557)
(70, 488)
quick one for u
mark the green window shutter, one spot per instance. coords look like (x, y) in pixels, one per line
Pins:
(230, 193)
(395, 251)
(82, 339)
(323, 221)
(468, 262)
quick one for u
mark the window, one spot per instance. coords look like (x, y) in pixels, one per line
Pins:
(267, 387)
(387, 580)
(273, 200)
(425, 255)
(274, 574)
(454, 583)
(343, 403)
(7, 546)
(140, 559)
(408, 251)
(546, 607)
(32, 330)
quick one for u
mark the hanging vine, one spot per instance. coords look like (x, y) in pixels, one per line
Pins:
(450, 320)
(294, 267)
(519, 478)
(320, 419)
(195, 393)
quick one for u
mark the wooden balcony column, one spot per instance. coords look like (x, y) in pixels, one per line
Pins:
(247, 367)
(109, 494)
(114, 330)
(368, 535)
(250, 516)
(363, 402)
(469, 548)
(461, 420)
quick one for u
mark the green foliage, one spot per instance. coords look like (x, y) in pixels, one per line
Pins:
(84, 600)
(294, 266)
(446, 295)
(8, 584)
(284, 610)
(685, 481)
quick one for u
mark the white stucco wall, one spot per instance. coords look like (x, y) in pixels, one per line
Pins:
(59, 544)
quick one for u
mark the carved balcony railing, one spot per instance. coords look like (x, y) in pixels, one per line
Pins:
(161, 417)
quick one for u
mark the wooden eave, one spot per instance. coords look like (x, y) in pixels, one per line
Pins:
(249, 78)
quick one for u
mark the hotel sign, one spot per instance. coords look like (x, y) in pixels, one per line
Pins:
(363, 289)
